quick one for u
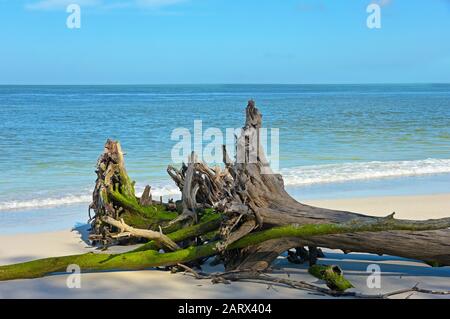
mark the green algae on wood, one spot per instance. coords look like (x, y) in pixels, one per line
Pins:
(130, 203)
(332, 275)
(151, 258)
(207, 224)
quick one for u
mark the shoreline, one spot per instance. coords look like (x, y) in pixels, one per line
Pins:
(28, 220)
(408, 207)
(397, 272)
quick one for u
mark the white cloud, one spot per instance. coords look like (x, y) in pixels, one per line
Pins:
(157, 3)
(382, 3)
(59, 4)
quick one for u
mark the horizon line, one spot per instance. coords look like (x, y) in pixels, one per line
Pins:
(187, 84)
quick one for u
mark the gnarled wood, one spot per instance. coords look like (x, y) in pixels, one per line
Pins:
(128, 231)
(151, 258)
(114, 199)
(255, 199)
(246, 204)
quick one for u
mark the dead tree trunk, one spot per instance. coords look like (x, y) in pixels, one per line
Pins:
(253, 198)
(241, 213)
(114, 199)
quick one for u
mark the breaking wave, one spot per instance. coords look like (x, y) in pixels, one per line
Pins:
(296, 176)
(334, 173)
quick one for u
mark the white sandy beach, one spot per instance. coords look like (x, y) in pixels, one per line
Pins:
(397, 273)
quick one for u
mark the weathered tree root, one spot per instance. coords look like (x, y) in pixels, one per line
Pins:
(301, 255)
(128, 231)
(150, 258)
(241, 214)
(332, 275)
(264, 278)
(114, 199)
(254, 198)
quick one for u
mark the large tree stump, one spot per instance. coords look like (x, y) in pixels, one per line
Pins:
(240, 213)
(253, 198)
(114, 198)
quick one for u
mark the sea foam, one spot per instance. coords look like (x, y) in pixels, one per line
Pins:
(166, 190)
(45, 202)
(333, 173)
(295, 176)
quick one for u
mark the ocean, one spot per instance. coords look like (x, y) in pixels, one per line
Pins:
(335, 141)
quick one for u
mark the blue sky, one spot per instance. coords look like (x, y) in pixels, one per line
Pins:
(224, 41)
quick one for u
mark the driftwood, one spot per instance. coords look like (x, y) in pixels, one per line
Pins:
(241, 214)
(128, 231)
(264, 278)
(116, 205)
(139, 259)
(256, 199)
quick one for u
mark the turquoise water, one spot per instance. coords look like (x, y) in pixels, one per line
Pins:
(335, 140)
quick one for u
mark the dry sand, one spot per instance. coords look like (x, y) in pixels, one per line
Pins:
(397, 273)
